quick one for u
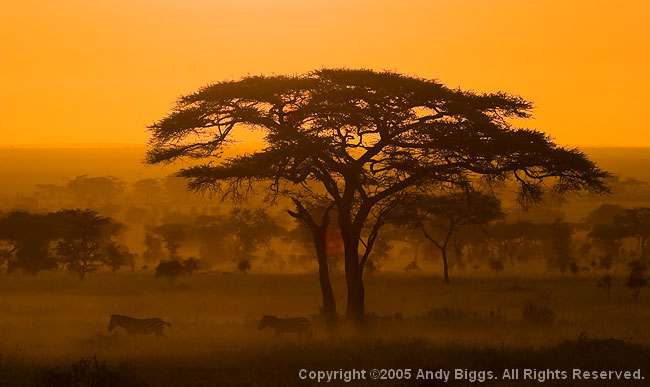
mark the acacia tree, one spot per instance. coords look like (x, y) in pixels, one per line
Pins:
(244, 265)
(173, 234)
(636, 223)
(608, 238)
(190, 265)
(169, 270)
(251, 229)
(509, 239)
(557, 244)
(441, 217)
(81, 248)
(26, 239)
(363, 137)
(116, 256)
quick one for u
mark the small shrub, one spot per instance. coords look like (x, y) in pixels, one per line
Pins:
(537, 313)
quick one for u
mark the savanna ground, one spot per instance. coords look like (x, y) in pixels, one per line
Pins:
(49, 322)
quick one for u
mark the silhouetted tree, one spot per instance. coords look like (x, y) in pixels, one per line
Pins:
(412, 266)
(637, 279)
(244, 266)
(496, 265)
(605, 263)
(441, 217)
(169, 270)
(154, 251)
(608, 238)
(116, 257)
(96, 192)
(636, 223)
(574, 269)
(251, 229)
(512, 239)
(172, 234)
(27, 238)
(604, 214)
(557, 245)
(190, 265)
(380, 253)
(606, 283)
(85, 235)
(363, 137)
(211, 233)
(147, 191)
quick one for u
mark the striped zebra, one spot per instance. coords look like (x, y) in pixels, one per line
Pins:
(138, 326)
(299, 325)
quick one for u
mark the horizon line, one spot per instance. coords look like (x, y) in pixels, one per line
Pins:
(117, 145)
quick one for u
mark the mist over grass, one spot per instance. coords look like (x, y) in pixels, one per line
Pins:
(52, 320)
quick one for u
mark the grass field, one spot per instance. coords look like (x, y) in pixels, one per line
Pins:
(49, 322)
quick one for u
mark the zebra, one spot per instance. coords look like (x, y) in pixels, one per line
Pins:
(138, 326)
(299, 325)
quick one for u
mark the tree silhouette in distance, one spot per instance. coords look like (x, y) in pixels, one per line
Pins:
(442, 217)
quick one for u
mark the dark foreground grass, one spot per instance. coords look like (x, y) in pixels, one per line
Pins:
(278, 364)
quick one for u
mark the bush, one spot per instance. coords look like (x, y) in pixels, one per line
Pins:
(537, 313)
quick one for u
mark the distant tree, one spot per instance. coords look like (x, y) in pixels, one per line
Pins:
(26, 239)
(604, 214)
(85, 236)
(172, 234)
(441, 217)
(608, 238)
(381, 253)
(363, 137)
(116, 257)
(147, 191)
(190, 265)
(96, 192)
(606, 283)
(557, 244)
(169, 270)
(478, 250)
(637, 279)
(412, 237)
(412, 266)
(511, 239)
(244, 266)
(636, 223)
(251, 229)
(574, 269)
(213, 235)
(154, 248)
(496, 265)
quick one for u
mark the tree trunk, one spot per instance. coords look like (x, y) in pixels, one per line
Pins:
(355, 310)
(329, 303)
(445, 266)
(643, 247)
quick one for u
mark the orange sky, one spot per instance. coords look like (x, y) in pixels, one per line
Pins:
(75, 71)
